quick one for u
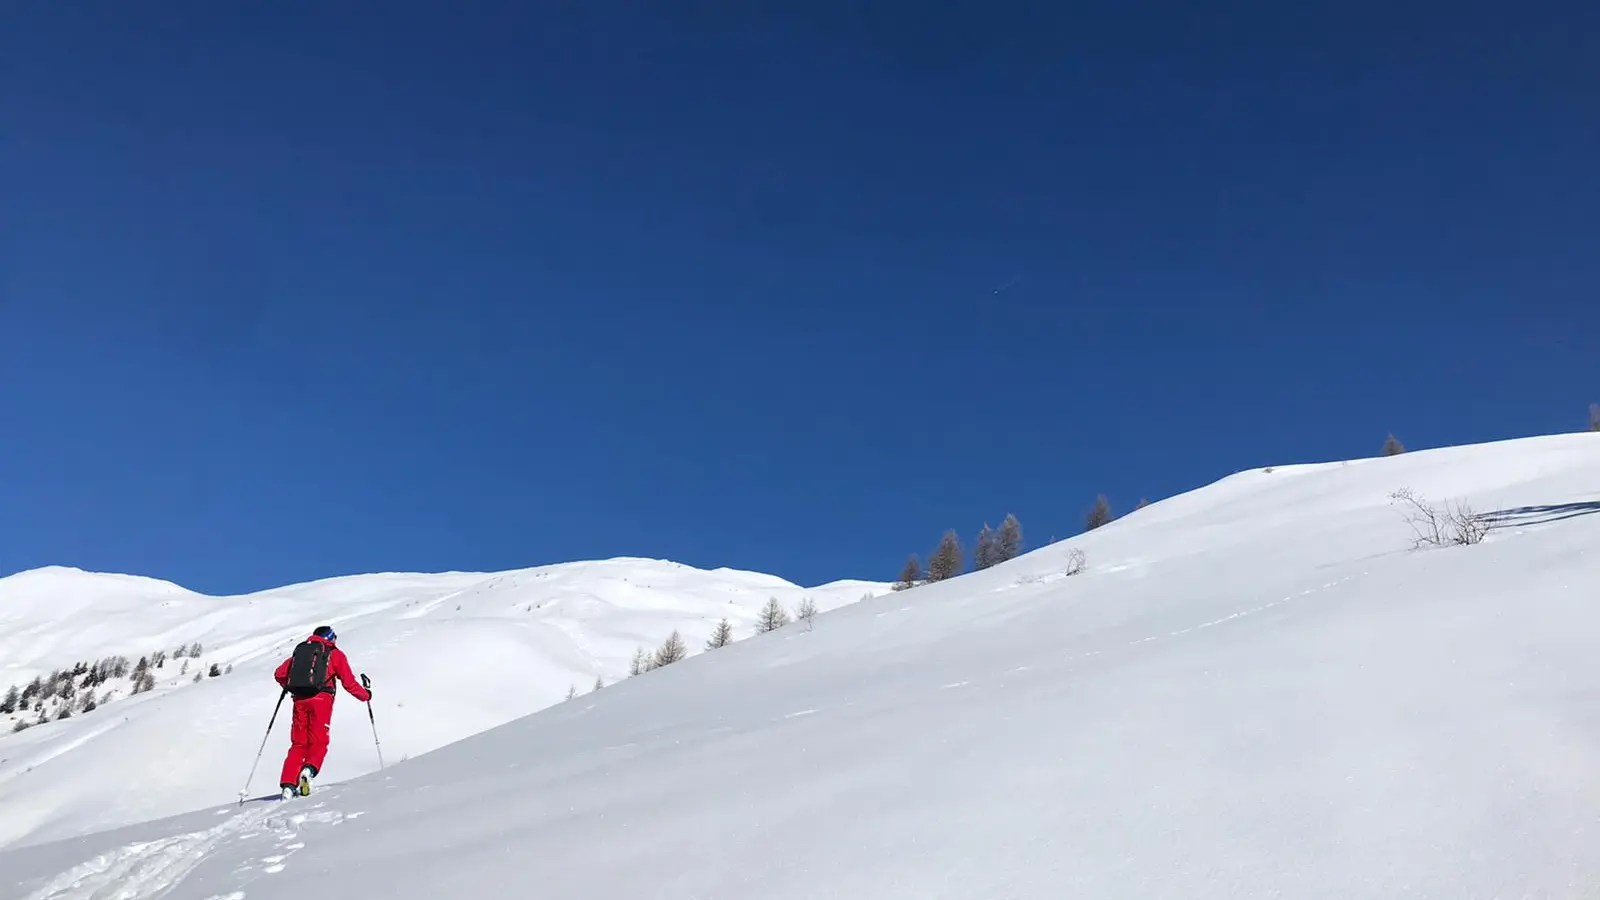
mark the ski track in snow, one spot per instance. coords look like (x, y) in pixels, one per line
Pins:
(149, 869)
(429, 606)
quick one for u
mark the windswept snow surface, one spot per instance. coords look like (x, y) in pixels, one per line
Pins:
(1255, 690)
(450, 655)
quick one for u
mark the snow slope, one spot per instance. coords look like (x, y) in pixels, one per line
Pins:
(1254, 690)
(449, 654)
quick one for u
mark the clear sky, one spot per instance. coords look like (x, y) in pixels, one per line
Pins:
(324, 288)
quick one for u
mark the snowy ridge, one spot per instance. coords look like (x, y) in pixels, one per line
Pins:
(450, 655)
(1254, 690)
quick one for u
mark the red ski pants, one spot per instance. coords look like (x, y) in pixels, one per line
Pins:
(308, 736)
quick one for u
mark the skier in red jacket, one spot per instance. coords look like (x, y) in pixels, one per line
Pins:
(309, 675)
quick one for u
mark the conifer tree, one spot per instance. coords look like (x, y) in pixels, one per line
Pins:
(1098, 515)
(987, 551)
(773, 616)
(1393, 447)
(637, 665)
(1010, 544)
(572, 691)
(910, 573)
(945, 562)
(721, 637)
(9, 704)
(1594, 417)
(599, 682)
(806, 612)
(671, 650)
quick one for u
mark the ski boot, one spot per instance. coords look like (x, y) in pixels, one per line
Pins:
(304, 787)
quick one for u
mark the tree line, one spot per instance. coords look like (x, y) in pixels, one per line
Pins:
(949, 559)
(992, 547)
(772, 617)
(76, 689)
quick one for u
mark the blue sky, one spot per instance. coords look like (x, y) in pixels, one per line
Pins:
(317, 289)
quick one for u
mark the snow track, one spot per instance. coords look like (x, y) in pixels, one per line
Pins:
(149, 868)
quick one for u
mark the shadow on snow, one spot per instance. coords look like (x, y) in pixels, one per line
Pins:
(1540, 515)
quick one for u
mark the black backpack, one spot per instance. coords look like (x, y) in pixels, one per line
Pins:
(308, 670)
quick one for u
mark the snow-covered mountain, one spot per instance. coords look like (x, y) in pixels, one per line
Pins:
(1257, 689)
(450, 655)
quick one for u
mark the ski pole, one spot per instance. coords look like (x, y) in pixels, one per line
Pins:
(366, 683)
(263, 749)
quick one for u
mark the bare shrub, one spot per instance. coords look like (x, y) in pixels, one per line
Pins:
(1456, 523)
(1076, 561)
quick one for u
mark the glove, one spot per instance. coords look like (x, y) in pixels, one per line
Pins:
(367, 683)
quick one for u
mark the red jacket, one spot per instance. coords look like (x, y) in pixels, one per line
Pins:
(338, 668)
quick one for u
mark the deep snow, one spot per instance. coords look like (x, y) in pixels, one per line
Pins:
(1255, 690)
(450, 655)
